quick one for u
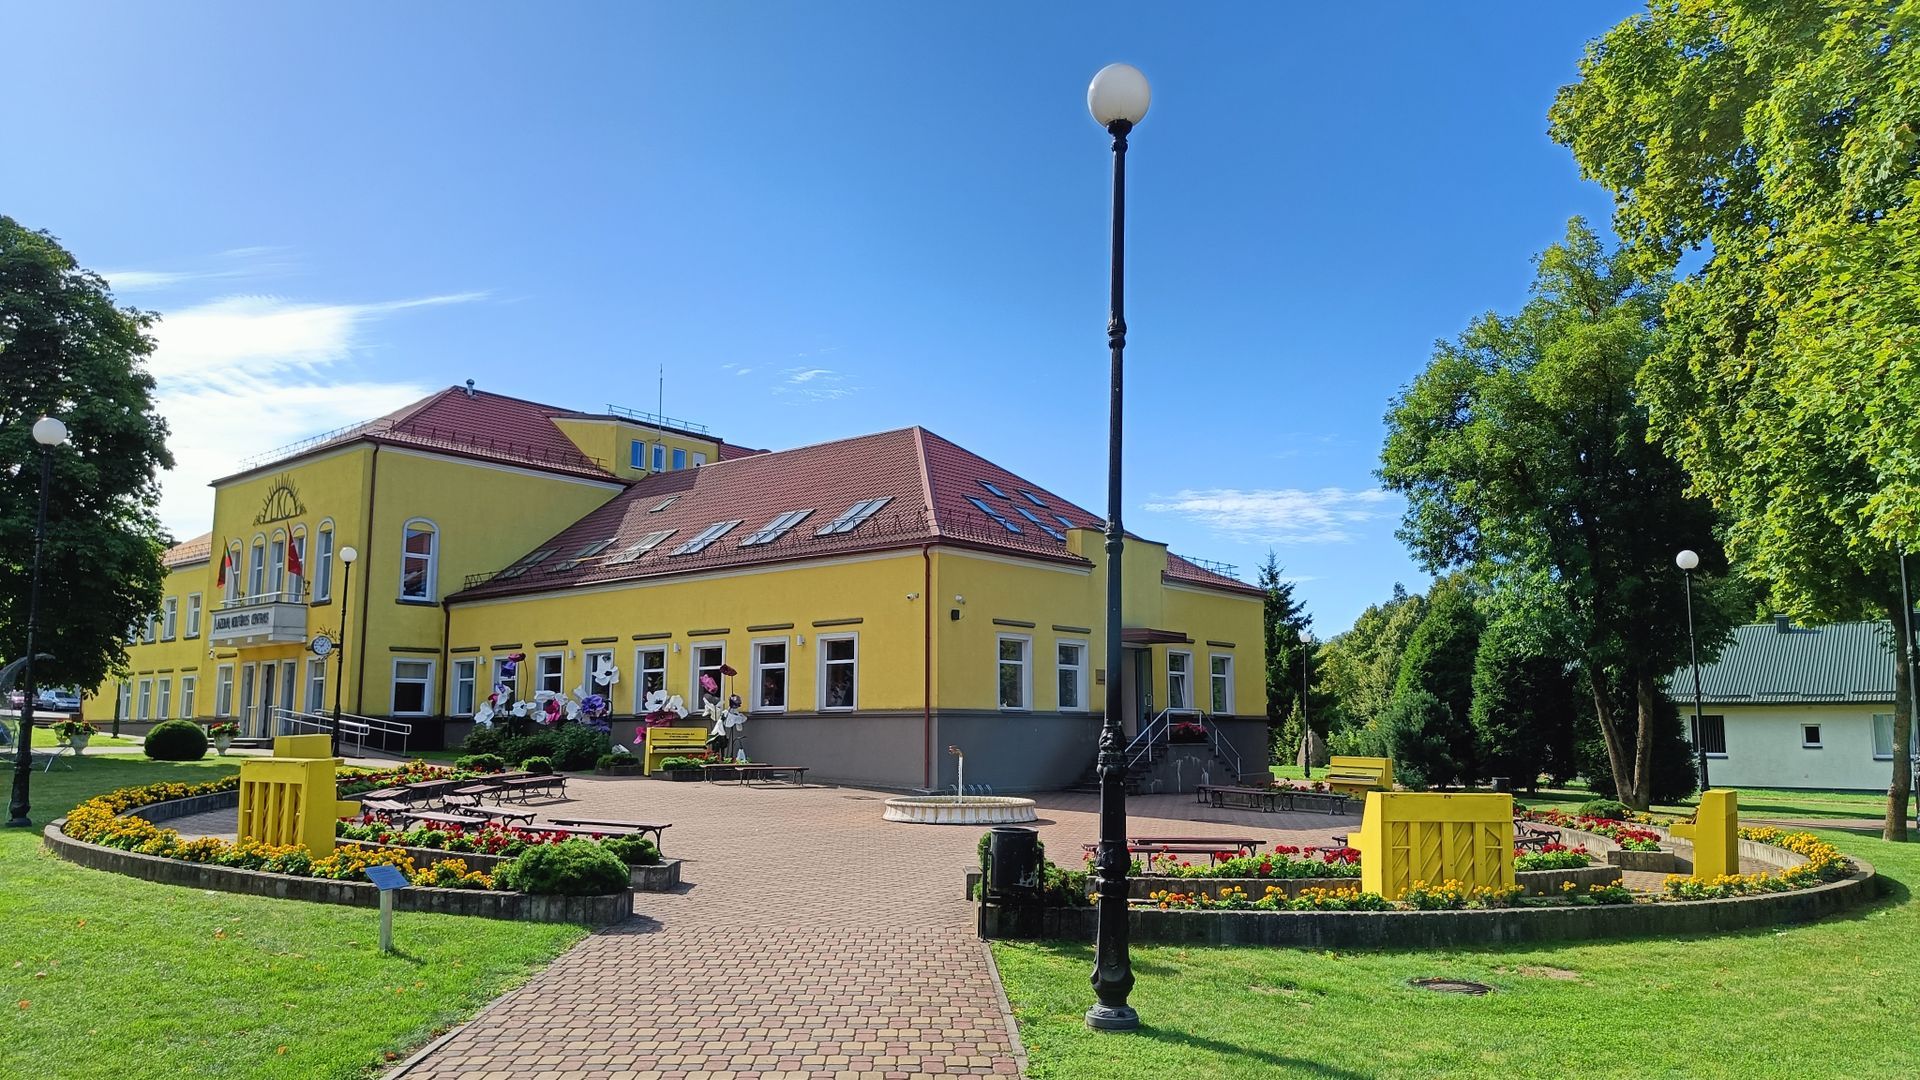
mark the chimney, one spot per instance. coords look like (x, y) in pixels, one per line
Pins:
(1783, 624)
(469, 387)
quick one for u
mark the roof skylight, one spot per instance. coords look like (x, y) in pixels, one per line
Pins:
(992, 513)
(1032, 498)
(1043, 526)
(777, 528)
(1062, 519)
(851, 518)
(582, 555)
(989, 486)
(646, 543)
(706, 536)
(525, 564)
(663, 504)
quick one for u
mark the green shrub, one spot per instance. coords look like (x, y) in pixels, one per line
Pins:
(480, 763)
(683, 761)
(1606, 808)
(177, 740)
(632, 850)
(571, 746)
(611, 761)
(569, 868)
(539, 766)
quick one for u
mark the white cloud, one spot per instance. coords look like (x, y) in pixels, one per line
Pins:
(807, 375)
(241, 375)
(814, 384)
(1279, 515)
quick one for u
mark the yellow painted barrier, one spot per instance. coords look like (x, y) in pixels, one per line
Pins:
(666, 742)
(288, 799)
(1715, 832)
(1407, 837)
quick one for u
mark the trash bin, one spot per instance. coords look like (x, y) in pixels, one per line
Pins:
(1501, 783)
(1013, 865)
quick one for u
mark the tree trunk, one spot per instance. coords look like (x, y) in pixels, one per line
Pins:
(1898, 792)
(1646, 694)
(1624, 782)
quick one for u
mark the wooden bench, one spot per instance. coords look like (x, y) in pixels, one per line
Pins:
(1356, 776)
(654, 827)
(1259, 798)
(429, 792)
(434, 817)
(583, 830)
(1333, 802)
(665, 742)
(1212, 853)
(1245, 844)
(501, 814)
(474, 791)
(390, 807)
(523, 787)
(1526, 835)
(793, 774)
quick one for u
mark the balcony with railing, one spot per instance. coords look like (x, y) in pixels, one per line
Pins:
(268, 618)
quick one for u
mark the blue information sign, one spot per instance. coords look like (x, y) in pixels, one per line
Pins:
(387, 877)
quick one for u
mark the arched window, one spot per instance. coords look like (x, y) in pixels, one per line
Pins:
(419, 558)
(297, 564)
(321, 569)
(277, 563)
(257, 567)
(230, 573)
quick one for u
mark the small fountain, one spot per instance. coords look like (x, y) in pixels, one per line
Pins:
(959, 808)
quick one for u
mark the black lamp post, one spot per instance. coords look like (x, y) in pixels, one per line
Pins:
(49, 433)
(1687, 561)
(347, 555)
(1306, 730)
(1118, 99)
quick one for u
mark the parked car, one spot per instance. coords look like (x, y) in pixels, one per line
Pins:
(59, 700)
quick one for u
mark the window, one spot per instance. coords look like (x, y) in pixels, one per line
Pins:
(317, 684)
(257, 568)
(594, 659)
(417, 556)
(707, 660)
(769, 676)
(223, 690)
(988, 484)
(230, 574)
(646, 543)
(1041, 525)
(1177, 665)
(151, 631)
(992, 513)
(679, 459)
(277, 565)
(246, 695)
(663, 504)
(1713, 736)
(1072, 676)
(323, 564)
(125, 709)
(1810, 736)
(651, 666)
(163, 706)
(146, 700)
(1013, 671)
(188, 685)
(193, 615)
(637, 454)
(1064, 523)
(706, 536)
(465, 675)
(699, 459)
(526, 564)
(777, 528)
(1883, 736)
(297, 566)
(659, 457)
(1221, 670)
(500, 677)
(411, 682)
(851, 518)
(581, 556)
(839, 672)
(1032, 498)
(169, 618)
(550, 673)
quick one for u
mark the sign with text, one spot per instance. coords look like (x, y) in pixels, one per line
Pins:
(260, 624)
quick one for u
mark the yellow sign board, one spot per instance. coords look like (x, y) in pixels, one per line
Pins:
(1407, 837)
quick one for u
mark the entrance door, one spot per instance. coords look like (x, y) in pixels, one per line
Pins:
(1136, 675)
(246, 697)
(263, 726)
(289, 684)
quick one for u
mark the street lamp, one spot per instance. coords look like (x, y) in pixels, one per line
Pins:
(1118, 99)
(49, 433)
(347, 555)
(1306, 732)
(1687, 561)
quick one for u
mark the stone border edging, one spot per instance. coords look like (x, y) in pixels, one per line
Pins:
(655, 877)
(1443, 929)
(1535, 882)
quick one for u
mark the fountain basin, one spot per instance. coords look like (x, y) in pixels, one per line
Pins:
(971, 810)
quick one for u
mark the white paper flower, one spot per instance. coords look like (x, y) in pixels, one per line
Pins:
(605, 673)
(483, 716)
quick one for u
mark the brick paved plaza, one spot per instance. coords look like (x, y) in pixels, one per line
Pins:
(811, 939)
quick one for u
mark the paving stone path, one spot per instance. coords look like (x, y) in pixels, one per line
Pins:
(813, 940)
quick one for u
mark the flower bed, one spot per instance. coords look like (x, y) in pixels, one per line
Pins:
(1552, 856)
(1275, 898)
(1631, 836)
(1284, 861)
(1823, 864)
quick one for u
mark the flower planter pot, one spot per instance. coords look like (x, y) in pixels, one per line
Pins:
(679, 775)
(220, 744)
(618, 770)
(79, 743)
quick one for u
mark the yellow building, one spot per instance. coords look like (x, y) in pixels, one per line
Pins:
(881, 597)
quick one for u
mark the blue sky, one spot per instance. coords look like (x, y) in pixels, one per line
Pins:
(823, 220)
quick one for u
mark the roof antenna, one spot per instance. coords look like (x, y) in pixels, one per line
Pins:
(660, 402)
(469, 387)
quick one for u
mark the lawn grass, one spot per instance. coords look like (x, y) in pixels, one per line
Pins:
(105, 976)
(1834, 998)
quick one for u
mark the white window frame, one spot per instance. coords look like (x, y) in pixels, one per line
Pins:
(637, 454)
(257, 567)
(426, 688)
(432, 576)
(820, 672)
(463, 672)
(695, 698)
(163, 698)
(316, 684)
(151, 632)
(169, 618)
(559, 672)
(697, 459)
(1220, 685)
(1185, 676)
(1079, 673)
(277, 565)
(322, 566)
(296, 584)
(1000, 663)
(640, 671)
(195, 605)
(1814, 743)
(235, 557)
(754, 705)
(495, 680)
(223, 690)
(587, 659)
(146, 702)
(126, 701)
(189, 689)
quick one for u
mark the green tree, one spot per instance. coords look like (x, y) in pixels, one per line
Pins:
(1523, 453)
(1526, 701)
(1284, 620)
(1779, 137)
(67, 351)
(1354, 672)
(1430, 723)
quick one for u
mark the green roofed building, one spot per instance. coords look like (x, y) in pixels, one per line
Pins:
(1790, 706)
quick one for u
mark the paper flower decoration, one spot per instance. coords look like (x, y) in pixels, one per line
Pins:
(727, 670)
(708, 684)
(604, 673)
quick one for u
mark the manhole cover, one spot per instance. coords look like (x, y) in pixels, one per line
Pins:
(1452, 986)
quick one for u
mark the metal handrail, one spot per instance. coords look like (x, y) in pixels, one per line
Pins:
(1225, 750)
(350, 724)
(656, 419)
(1141, 748)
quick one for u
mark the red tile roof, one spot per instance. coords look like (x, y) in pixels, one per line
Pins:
(187, 552)
(925, 479)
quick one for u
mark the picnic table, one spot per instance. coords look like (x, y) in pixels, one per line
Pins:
(390, 794)
(391, 807)
(1526, 835)
(524, 786)
(794, 774)
(1245, 844)
(654, 827)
